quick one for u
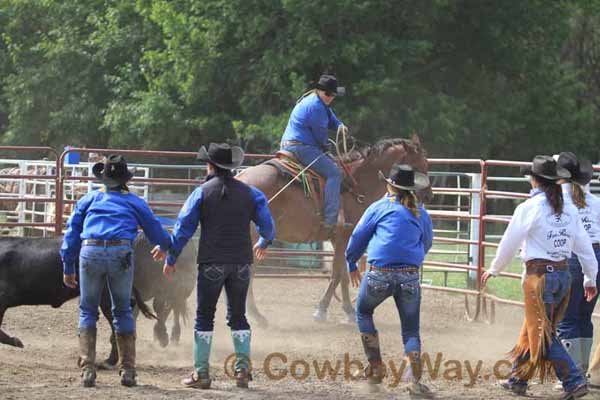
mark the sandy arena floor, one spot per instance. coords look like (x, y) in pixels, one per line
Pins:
(46, 368)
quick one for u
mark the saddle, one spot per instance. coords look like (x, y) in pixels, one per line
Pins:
(289, 167)
(313, 184)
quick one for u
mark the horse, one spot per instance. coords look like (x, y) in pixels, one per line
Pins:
(297, 220)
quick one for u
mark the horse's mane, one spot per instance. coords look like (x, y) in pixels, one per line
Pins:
(367, 151)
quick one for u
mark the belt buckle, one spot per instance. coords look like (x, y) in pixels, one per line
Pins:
(549, 268)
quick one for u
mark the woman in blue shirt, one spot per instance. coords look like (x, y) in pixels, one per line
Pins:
(397, 233)
(101, 232)
(306, 137)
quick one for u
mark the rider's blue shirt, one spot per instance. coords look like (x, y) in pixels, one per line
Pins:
(109, 215)
(391, 234)
(309, 122)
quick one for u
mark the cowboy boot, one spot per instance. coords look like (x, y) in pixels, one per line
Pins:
(126, 348)
(573, 348)
(375, 371)
(417, 388)
(578, 392)
(586, 350)
(241, 345)
(200, 379)
(87, 359)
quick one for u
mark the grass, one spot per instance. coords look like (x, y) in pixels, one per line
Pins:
(504, 287)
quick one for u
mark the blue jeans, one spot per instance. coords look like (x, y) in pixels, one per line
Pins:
(577, 322)
(406, 290)
(556, 288)
(211, 279)
(329, 170)
(99, 266)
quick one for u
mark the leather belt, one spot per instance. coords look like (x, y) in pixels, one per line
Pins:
(105, 243)
(408, 268)
(541, 266)
(596, 245)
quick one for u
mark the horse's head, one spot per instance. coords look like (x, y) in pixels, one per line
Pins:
(383, 155)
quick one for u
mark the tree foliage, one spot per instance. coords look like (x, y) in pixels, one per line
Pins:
(477, 78)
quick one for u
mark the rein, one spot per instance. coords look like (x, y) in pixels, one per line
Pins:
(355, 187)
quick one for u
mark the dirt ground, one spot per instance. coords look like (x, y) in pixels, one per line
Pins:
(46, 368)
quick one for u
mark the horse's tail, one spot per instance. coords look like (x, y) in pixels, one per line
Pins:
(142, 305)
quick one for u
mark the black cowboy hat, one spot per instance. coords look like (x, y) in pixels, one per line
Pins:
(581, 171)
(113, 172)
(329, 84)
(403, 176)
(222, 155)
(546, 167)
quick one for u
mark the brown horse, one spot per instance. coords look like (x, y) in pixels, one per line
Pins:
(298, 221)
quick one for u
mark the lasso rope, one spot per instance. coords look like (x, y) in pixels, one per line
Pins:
(294, 178)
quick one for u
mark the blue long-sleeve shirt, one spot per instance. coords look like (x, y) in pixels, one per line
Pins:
(189, 217)
(309, 122)
(391, 234)
(109, 215)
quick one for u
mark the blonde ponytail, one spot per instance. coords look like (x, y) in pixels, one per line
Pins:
(407, 198)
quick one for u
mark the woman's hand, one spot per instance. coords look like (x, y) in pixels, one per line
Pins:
(158, 254)
(484, 278)
(70, 281)
(260, 253)
(590, 293)
(355, 278)
(168, 270)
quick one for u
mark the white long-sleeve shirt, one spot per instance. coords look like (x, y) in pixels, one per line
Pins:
(542, 234)
(590, 214)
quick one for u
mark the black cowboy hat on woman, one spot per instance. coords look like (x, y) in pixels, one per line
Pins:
(306, 137)
(397, 233)
(224, 207)
(548, 231)
(104, 225)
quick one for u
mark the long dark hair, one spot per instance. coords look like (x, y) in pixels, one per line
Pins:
(578, 196)
(223, 175)
(553, 193)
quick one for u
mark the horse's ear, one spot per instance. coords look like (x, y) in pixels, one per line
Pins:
(414, 137)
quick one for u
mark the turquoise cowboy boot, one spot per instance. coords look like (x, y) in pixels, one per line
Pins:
(241, 345)
(200, 379)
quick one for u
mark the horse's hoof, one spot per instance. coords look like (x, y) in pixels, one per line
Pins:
(261, 321)
(17, 343)
(107, 365)
(349, 319)
(320, 315)
(162, 338)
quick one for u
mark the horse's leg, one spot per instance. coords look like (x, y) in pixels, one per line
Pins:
(160, 328)
(251, 307)
(340, 249)
(338, 275)
(176, 330)
(4, 337)
(106, 308)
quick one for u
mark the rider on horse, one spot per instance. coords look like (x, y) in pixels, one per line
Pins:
(306, 137)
